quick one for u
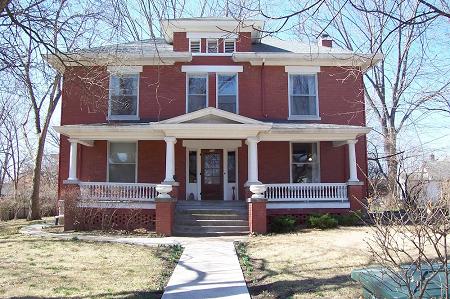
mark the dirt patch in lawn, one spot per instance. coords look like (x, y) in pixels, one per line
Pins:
(40, 267)
(306, 264)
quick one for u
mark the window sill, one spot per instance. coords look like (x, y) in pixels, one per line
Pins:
(123, 117)
(304, 117)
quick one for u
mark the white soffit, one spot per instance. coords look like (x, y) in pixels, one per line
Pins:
(126, 69)
(212, 144)
(212, 68)
(198, 35)
(302, 69)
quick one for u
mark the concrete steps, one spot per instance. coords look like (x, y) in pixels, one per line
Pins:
(211, 218)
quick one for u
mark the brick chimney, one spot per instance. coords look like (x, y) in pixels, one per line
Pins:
(326, 41)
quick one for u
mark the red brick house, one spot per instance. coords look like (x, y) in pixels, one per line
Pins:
(211, 109)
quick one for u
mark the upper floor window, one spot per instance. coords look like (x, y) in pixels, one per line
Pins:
(227, 92)
(229, 46)
(122, 162)
(305, 163)
(123, 96)
(212, 46)
(195, 45)
(303, 102)
(197, 92)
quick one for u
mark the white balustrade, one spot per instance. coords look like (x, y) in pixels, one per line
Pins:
(106, 191)
(307, 192)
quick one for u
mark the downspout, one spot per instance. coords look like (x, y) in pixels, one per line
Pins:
(263, 104)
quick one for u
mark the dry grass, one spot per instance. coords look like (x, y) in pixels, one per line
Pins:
(307, 264)
(50, 268)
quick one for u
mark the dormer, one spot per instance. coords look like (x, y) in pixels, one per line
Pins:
(211, 36)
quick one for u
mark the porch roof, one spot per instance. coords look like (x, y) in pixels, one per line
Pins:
(213, 123)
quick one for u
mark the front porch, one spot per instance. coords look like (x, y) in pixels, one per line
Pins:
(214, 155)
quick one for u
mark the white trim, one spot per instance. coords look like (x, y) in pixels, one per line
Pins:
(237, 90)
(212, 54)
(318, 160)
(136, 157)
(200, 45)
(207, 144)
(212, 68)
(217, 45)
(126, 69)
(302, 69)
(307, 116)
(308, 205)
(124, 117)
(211, 35)
(203, 74)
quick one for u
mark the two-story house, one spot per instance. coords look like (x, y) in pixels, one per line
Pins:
(211, 109)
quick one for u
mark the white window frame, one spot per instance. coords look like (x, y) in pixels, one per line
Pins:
(318, 159)
(303, 117)
(124, 117)
(237, 89)
(195, 40)
(136, 163)
(187, 88)
(217, 45)
(234, 45)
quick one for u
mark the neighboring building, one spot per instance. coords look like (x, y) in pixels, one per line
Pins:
(431, 182)
(211, 109)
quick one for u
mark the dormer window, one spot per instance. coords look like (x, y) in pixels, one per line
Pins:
(212, 46)
(230, 46)
(195, 46)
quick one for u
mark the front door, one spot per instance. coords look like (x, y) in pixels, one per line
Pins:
(212, 175)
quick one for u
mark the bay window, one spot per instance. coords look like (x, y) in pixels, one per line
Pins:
(305, 163)
(303, 96)
(122, 162)
(227, 92)
(123, 96)
(197, 92)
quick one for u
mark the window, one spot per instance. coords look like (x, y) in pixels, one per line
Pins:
(303, 95)
(123, 96)
(192, 167)
(122, 162)
(195, 46)
(230, 46)
(232, 167)
(227, 92)
(212, 46)
(305, 163)
(197, 92)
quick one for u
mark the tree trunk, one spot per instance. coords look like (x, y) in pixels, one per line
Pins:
(35, 206)
(390, 149)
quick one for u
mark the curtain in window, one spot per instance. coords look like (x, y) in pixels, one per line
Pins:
(123, 94)
(303, 94)
(227, 92)
(122, 162)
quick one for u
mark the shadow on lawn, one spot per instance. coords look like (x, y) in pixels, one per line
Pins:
(128, 295)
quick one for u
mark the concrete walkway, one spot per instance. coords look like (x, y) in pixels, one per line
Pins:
(208, 267)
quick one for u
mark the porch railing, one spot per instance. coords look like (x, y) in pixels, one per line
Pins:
(106, 191)
(307, 192)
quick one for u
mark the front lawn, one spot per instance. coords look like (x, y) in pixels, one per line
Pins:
(38, 267)
(306, 264)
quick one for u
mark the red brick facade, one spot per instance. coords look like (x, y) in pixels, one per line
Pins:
(262, 94)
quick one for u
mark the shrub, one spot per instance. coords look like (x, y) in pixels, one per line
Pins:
(324, 221)
(351, 219)
(282, 224)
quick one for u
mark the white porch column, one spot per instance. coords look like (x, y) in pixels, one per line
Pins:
(170, 159)
(252, 143)
(73, 160)
(353, 174)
